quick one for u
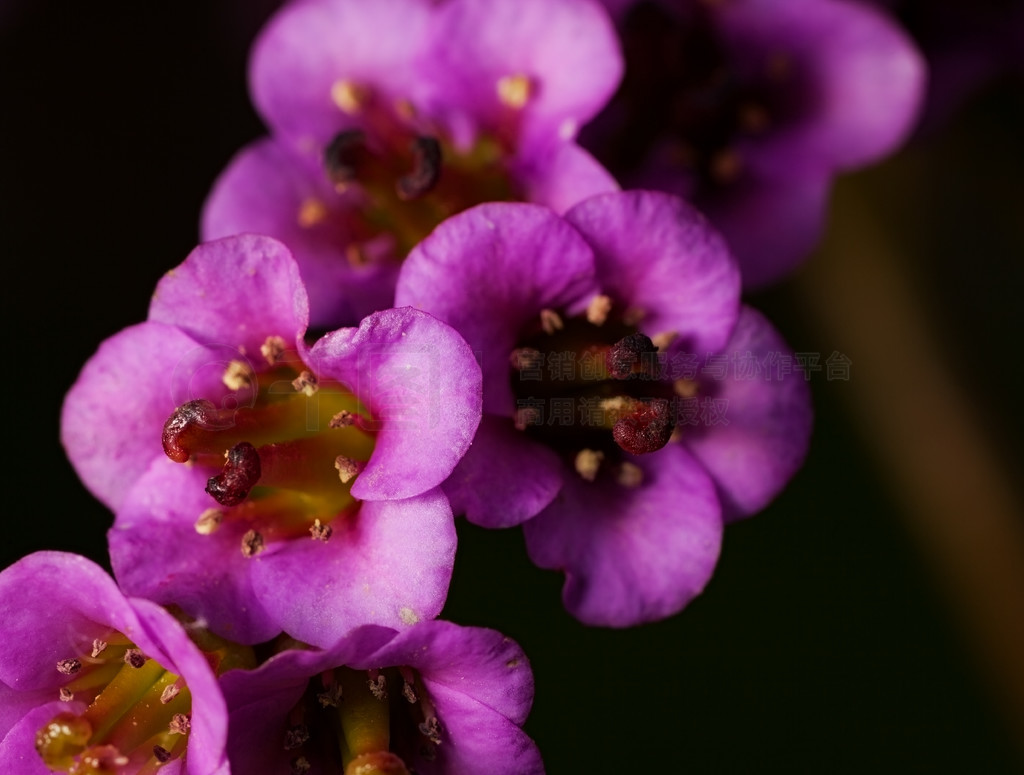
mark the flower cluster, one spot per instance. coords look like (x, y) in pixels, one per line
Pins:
(419, 299)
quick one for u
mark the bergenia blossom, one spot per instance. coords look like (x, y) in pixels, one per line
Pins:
(749, 108)
(263, 484)
(94, 682)
(436, 699)
(387, 116)
(616, 418)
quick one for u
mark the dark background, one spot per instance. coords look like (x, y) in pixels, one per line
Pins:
(827, 640)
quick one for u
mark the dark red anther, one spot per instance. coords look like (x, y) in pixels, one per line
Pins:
(186, 418)
(646, 428)
(241, 473)
(426, 170)
(629, 352)
(343, 154)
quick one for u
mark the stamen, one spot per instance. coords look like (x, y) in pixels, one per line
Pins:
(97, 647)
(342, 419)
(299, 765)
(551, 321)
(238, 375)
(726, 166)
(628, 353)
(630, 475)
(330, 697)
(633, 315)
(598, 309)
(587, 463)
(180, 724)
(378, 685)
(252, 544)
(66, 695)
(408, 692)
(431, 729)
(135, 658)
(306, 383)
(664, 339)
(321, 532)
(296, 737)
(162, 754)
(515, 90)
(171, 691)
(525, 417)
(342, 155)
(241, 473)
(69, 666)
(686, 388)
(272, 348)
(525, 358)
(348, 468)
(349, 97)
(647, 428)
(426, 169)
(209, 521)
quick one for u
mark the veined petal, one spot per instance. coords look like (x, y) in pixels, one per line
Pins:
(631, 555)
(422, 385)
(655, 252)
(234, 292)
(768, 419)
(388, 564)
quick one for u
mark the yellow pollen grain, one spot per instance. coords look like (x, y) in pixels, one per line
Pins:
(237, 375)
(407, 615)
(630, 475)
(311, 212)
(272, 349)
(515, 91)
(348, 97)
(587, 463)
(598, 309)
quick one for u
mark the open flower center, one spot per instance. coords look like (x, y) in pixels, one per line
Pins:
(284, 463)
(137, 718)
(376, 722)
(684, 85)
(408, 175)
(591, 387)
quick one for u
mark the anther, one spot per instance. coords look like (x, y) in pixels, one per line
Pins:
(523, 358)
(306, 383)
(311, 212)
(664, 339)
(66, 695)
(349, 97)
(252, 544)
(685, 388)
(320, 531)
(630, 475)
(170, 692)
(180, 724)
(726, 166)
(162, 754)
(342, 156)
(431, 729)
(209, 521)
(299, 765)
(135, 658)
(342, 419)
(587, 463)
(98, 646)
(69, 666)
(241, 473)
(272, 348)
(238, 375)
(201, 414)
(515, 91)
(330, 697)
(378, 685)
(628, 353)
(598, 309)
(550, 321)
(633, 315)
(296, 737)
(426, 169)
(646, 428)
(347, 468)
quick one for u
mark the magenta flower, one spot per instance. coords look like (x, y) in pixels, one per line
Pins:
(93, 681)
(588, 326)
(387, 116)
(749, 108)
(308, 497)
(436, 699)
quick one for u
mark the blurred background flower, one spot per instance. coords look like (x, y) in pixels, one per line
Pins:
(872, 619)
